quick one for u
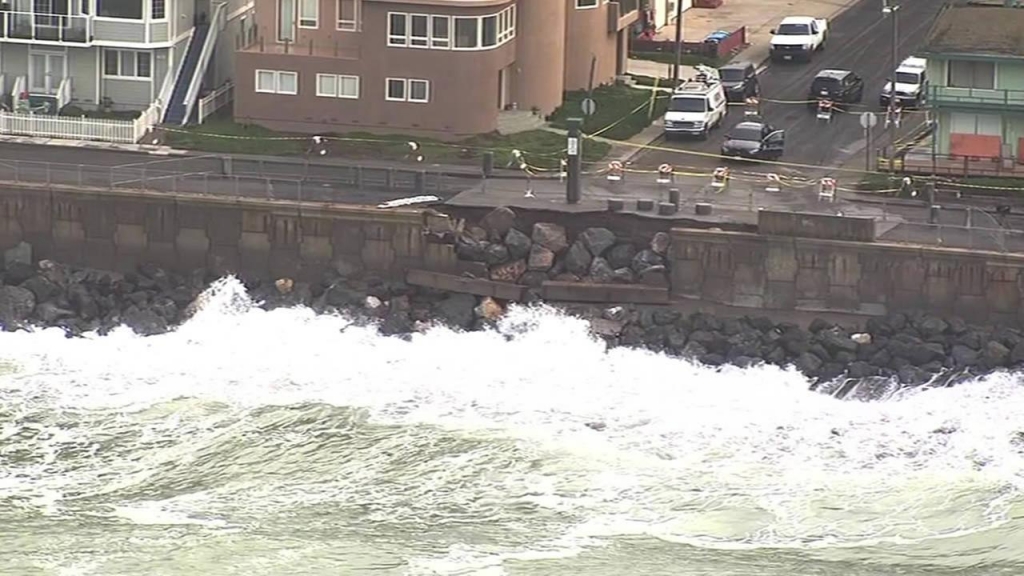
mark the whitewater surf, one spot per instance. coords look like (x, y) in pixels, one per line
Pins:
(282, 442)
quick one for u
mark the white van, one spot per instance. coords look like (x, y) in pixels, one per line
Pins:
(696, 107)
(911, 81)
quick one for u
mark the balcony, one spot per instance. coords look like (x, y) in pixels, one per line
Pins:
(975, 97)
(622, 13)
(32, 27)
(262, 45)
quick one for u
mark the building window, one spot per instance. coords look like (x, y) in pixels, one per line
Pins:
(440, 32)
(157, 9)
(398, 29)
(489, 31)
(348, 15)
(309, 13)
(337, 86)
(277, 82)
(467, 32)
(586, 3)
(407, 90)
(126, 9)
(286, 20)
(972, 74)
(507, 24)
(127, 64)
(419, 25)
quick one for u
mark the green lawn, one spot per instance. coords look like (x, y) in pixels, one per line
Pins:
(621, 112)
(221, 136)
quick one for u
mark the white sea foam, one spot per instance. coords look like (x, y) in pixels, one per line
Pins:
(726, 458)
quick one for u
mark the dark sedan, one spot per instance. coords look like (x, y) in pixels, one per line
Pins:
(755, 141)
(739, 80)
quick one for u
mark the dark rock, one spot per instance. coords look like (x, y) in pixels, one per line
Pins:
(761, 324)
(843, 357)
(597, 240)
(49, 313)
(808, 364)
(744, 344)
(83, 301)
(600, 271)
(457, 310)
(143, 321)
(731, 326)
(623, 276)
(577, 259)
(341, 295)
(510, 272)
(897, 322)
(621, 256)
(956, 326)
(831, 370)
(632, 335)
(550, 236)
(498, 222)
(912, 376)
(518, 244)
(645, 317)
(746, 361)
(18, 272)
(817, 325)
(496, 254)
(971, 339)
(541, 259)
(676, 341)
(994, 355)
(1017, 354)
(836, 340)
(693, 350)
(168, 310)
(861, 369)
(654, 337)
(477, 233)
(819, 351)
(615, 313)
(1007, 337)
(472, 269)
(655, 277)
(914, 349)
(795, 341)
(646, 259)
(963, 357)
(396, 322)
(16, 304)
(712, 359)
(471, 249)
(42, 288)
(665, 316)
(660, 243)
(776, 356)
(933, 367)
(930, 326)
(533, 278)
(878, 327)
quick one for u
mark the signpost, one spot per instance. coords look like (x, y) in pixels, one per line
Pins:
(588, 106)
(572, 147)
(868, 120)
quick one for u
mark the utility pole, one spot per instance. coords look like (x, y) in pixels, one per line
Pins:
(892, 10)
(573, 148)
(679, 43)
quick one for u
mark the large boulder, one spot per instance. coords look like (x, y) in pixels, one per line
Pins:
(621, 256)
(457, 310)
(577, 259)
(42, 288)
(660, 243)
(498, 222)
(550, 236)
(144, 321)
(16, 304)
(541, 259)
(646, 259)
(597, 240)
(510, 272)
(600, 271)
(496, 254)
(518, 244)
(469, 248)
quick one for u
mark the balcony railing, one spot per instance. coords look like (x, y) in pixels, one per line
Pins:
(38, 27)
(975, 96)
(622, 13)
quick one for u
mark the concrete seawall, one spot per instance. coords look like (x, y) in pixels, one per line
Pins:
(792, 268)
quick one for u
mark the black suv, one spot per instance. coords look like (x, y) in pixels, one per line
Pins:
(755, 140)
(839, 86)
(739, 80)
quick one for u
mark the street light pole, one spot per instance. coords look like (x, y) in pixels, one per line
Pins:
(892, 10)
(679, 43)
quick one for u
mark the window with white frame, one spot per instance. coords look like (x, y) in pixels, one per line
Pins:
(127, 64)
(309, 13)
(407, 90)
(286, 20)
(348, 15)
(277, 82)
(586, 3)
(451, 32)
(337, 86)
(440, 32)
(157, 9)
(398, 29)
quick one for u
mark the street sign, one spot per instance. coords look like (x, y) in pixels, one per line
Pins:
(573, 146)
(588, 106)
(868, 120)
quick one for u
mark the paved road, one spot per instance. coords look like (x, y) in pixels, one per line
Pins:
(205, 174)
(859, 40)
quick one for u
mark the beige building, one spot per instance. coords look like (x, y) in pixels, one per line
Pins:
(438, 68)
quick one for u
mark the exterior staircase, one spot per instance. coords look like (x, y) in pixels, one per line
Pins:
(177, 108)
(516, 121)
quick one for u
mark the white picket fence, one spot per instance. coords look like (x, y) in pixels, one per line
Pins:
(83, 128)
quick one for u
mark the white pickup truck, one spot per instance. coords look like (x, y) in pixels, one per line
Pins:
(798, 38)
